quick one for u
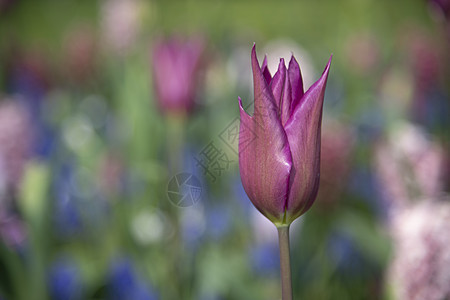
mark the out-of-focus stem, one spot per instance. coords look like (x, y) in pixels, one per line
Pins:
(285, 262)
(176, 123)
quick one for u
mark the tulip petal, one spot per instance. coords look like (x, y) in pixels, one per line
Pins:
(277, 84)
(266, 161)
(286, 101)
(303, 132)
(295, 78)
(265, 71)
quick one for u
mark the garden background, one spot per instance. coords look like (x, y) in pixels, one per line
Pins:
(86, 210)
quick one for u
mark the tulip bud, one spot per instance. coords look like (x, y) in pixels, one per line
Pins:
(280, 167)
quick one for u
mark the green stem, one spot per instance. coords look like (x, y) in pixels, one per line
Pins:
(175, 141)
(285, 262)
(176, 123)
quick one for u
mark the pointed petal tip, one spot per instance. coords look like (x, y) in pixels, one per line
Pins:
(292, 58)
(240, 103)
(264, 64)
(282, 65)
(265, 70)
(254, 57)
(329, 62)
(327, 69)
(241, 108)
(293, 64)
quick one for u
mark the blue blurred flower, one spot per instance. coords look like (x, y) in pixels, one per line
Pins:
(125, 284)
(218, 220)
(240, 194)
(265, 259)
(434, 115)
(78, 207)
(27, 75)
(64, 281)
(362, 184)
(192, 225)
(370, 124)
(346, 257)
(66, 214)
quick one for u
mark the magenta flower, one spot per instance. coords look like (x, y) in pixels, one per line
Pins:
(279, 146)
(176, 65)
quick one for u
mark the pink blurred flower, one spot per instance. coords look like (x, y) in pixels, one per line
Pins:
(442, 7)
(15, 146)
(440, 11)
(409, 166)
(12, 230)
(362, 53)
(15, 142)
(80, 52)
(176, 64)
(423, 53)
(5, 5)
(337, 146)
(27, 70)
(426, 62)
(111, 171)
(120, 24)
(421, 264)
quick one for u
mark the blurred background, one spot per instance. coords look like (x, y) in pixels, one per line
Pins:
(119, 171)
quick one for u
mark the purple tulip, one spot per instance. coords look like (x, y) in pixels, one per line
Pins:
(279, 146)
(176, 66)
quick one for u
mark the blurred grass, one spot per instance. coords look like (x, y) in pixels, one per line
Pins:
(317, 24)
